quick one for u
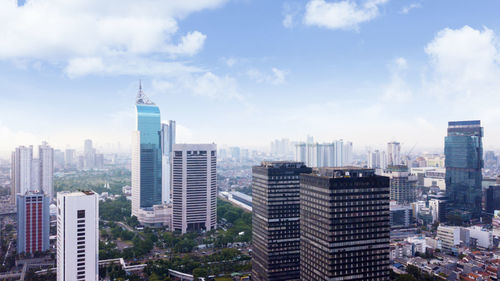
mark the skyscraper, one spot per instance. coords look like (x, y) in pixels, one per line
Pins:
(77, 236)
(194, 185)
(275, 221)
(344, 225)
(146, 156)
(393, 153)
(167, 142)
(32, 222)
(69, 159)
(463, 149)
(46, 170)
(89, 154)
(21, 174)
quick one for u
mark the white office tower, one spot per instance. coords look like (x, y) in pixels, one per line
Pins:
(46, 170)
(194, 187)
(167, 141)
(300, 152)
(393, 153)
(347, 153)
(21, 174)
(77, 236)
(339, 153)
(89, 154)
(35, 174)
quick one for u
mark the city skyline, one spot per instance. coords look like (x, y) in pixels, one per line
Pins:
(309, 75)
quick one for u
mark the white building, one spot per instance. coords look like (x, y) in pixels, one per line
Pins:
(77, 236)
(334, 154)
(393, 153)
(46, 171)
(167, 141)
(484, 238)
(194, 187)
(449, 236)
(21, 174)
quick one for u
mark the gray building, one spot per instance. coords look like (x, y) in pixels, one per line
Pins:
(344, 225)
(275, 221)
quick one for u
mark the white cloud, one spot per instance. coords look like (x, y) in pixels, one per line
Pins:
(88, 33)
(464, 63)
(345, 14)
(276, 77)
(407, 9)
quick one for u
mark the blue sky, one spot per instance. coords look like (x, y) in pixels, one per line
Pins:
(245, 72)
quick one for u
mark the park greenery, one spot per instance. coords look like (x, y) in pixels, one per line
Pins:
(93, 180)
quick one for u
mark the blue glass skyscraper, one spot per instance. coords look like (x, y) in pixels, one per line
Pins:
(463, 150)
(146, 156)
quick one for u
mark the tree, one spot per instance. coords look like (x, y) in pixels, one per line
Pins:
(406, 277)
(199, 272)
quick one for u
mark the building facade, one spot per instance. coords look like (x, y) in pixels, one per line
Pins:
(46, 170)
(194, 187)
(77, 236)
(275, 221)
(463, 148)
(393, 154)
(403, 184)
(344, 225)
(32, 222)
(146, 156)
(167, 142)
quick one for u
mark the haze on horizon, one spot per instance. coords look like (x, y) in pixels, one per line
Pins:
(246, 72)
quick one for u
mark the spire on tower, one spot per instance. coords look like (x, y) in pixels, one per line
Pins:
(141, 97)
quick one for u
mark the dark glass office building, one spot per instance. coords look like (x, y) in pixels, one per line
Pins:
(275, 222)
(463, 149)
(492, 199)
(344, 225)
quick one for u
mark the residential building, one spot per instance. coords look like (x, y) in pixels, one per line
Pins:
(146, 156)
(89, 155)
(21, 174)
(393, 154)
(32, 222)
(344, 225)
(194, 187)
(449, 237)
(464, 162)
(275, 220)
(403, 184)
(46, 169)
(77, 236)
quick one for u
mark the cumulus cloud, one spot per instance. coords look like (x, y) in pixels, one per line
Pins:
(398, 90)
(464, 62)
(346, 14)
(407, 9)
(276, 77)
(86, 33)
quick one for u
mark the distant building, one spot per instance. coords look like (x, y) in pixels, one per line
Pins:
(77, 236)
(393, 154)
(89, 155)
(32, 222)
(464, 162)
(46, 170)
(324, 154)
(146, 156)
(344, 225)
(403, 184)
(492, 199)
(23, 161)
(70, 159)
(167, 142)
(438, 207)
(194, 185)
(275, 220)
(401, 216)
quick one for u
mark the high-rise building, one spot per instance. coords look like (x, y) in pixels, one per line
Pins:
(463, 149)
(46, 170)
(21, 174)
(32, 222)
(69, 159)
(403, 184)
(275, 221)
(323, 155)
(77, 236)
(344, 225)
(194, 186)
(167, 142)
(393, 154)
(347, 153)
(35, 174)
(146, 156)
(89, 154)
